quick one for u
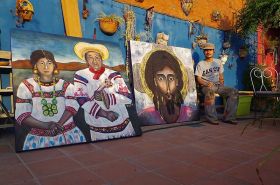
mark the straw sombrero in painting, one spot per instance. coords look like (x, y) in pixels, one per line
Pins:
(82, 47)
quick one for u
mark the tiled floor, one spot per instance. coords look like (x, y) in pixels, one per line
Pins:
(199, 154)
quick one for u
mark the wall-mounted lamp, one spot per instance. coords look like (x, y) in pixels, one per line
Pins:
(186, 6)
(216, 15)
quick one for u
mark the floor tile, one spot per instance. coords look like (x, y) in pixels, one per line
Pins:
(94, 158)
(80, 177)
(245, 172)
(147, 179)
(234, 155)
(9, 162)
(76, 149)
(40, 155)
(53, 166)
(125, 151)
(154, 146)
(6, 151)
(153, 161)
(184, 154)
(115, 171)
(222, 180)
(214, 164)
(252, 148)
(184, 174)
(16, 174)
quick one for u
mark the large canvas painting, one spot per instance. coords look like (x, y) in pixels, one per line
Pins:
(164, 84)
(69, 91)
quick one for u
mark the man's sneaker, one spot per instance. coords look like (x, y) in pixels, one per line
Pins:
(233, 122)
(213, 122)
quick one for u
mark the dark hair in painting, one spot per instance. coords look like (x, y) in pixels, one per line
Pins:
(38, 54)
(156, 62)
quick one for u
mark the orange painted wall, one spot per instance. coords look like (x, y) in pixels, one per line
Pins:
(201, 10)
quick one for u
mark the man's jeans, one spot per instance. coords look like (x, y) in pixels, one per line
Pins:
(231, 96)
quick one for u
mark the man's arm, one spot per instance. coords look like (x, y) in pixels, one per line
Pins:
(204, 82)
(221, 78)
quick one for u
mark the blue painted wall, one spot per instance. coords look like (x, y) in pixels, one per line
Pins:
(48, 19)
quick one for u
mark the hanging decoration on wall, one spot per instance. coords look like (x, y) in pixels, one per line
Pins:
(202, 38)
(85, 12)
(109, 24)
(24, 12)
(149, 23)
(226, 45)
(186, 6)
(162, 38)
(223, 57)
(129, 18)
(192, 28)
(243, 51)
(216, 15)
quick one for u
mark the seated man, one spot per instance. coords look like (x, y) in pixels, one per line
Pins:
(209, 75)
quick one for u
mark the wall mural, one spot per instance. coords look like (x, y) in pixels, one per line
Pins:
(164, 85)
(69, 91)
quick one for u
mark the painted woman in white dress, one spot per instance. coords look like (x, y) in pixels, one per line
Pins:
(47, 105)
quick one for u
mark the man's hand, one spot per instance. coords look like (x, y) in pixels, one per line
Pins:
(97, 95)
(210, 84)
(110, 115)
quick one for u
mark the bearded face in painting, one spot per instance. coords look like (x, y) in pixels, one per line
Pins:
(164, 78)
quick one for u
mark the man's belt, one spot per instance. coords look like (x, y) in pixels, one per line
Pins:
(112, 129)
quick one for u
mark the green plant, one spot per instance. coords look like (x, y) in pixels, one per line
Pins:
(111, 17)
(258, 12)
(273, 42)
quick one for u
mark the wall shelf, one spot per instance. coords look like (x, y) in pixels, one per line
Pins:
(6, 91)
(6, 67)
(3, 115)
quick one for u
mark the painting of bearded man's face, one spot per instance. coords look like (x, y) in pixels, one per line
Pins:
(163, 83)
(164, 79)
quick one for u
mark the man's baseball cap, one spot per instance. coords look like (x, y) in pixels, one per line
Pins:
(208, 46)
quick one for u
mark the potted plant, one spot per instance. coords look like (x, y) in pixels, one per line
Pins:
(109, 24)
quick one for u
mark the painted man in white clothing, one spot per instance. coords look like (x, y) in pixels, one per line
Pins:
(209, 75)
(103, 94)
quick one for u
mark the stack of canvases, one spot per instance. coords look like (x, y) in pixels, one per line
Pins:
(71, 91)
